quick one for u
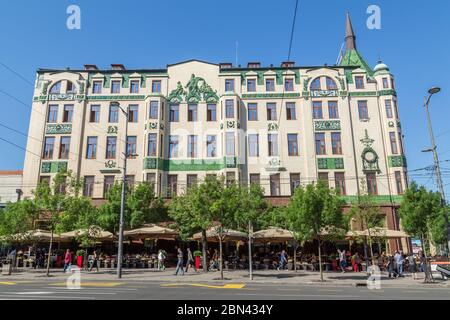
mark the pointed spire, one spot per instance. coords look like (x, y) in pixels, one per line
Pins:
(350, 38)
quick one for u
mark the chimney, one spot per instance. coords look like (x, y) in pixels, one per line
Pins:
(90, 67)
(118, 66)
(287, 64)
(254, 65)
(225, 65)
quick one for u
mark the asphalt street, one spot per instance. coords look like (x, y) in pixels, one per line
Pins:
(135, 290)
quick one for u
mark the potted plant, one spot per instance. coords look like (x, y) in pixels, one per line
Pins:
(80, 255)
(197, 255)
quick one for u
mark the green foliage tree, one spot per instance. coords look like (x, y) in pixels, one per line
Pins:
(419, 211)
(315, 212)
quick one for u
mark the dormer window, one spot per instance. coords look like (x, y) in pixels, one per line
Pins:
(359, 82)
(115, 86)
(134, 86)
(97, 87)
(270, 85)
(156, 86)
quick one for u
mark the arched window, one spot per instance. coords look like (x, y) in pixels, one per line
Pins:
(331, 84)
(63, 86)
(315, 85)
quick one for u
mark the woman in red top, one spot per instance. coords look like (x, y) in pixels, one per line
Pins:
(67, 260)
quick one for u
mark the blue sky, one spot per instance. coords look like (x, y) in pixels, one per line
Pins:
(413, 41)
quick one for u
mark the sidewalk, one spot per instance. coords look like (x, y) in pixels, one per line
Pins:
(234, 276)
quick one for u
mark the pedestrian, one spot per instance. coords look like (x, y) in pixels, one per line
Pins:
(180, 262)
(399, 260)
(283, 260)
(356, 262)
(342, 260)
(94, 260)
(390, 266)
(190, 260)
(67, 260)
(412, 266)
(161, 258)
(422, 261)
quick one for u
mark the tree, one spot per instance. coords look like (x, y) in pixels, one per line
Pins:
(17, 218)
(192, 210)
(315, 211)
(368, 214)
(419, 211)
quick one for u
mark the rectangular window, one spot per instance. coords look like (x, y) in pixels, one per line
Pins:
(270, 85)
(153, 111)
(111, 145)
(173, 146)
(44, 179)
(400, 142)
(294, 181)
(339, 183)
(230, 178)
(134, 86)
(253, 145)
(392, 84)
(115, 86)
(94, 115)
(162, 110)
(271, 111)
(174, 113)
(107, 184)
(363, 111)
(97, 87)
(49, 145)
(113, 114)
(393, 141)
(229, 137)
(371, 181)
(211, 146)
(156, 86)
(323, 177)
(229, 108)
(191, 180)
(211, 112)
(161, 140)
(64, 148)
(290, 111)
(229, 85)
(252, 111)
(275, 185)
(292, 144)
(91, 149)
(68, 113)
(333, 112)
(396, 109)
(388, 105)
(192, 112)
(273, 144)
(152, 141)
(289, 84)
(251, 85)
(398, 182)
(385, 83)
(130, 181)
(131, 146)
(172, 180)
(359, 82)
(336, 143)
(192, 146)
(52, 114)
(317, 110)
(88, 186)
(320, 144)
(255, 179)
(133, 113)
(151, 180)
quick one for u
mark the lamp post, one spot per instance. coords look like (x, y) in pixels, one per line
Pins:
(123, 196)
(433, 149)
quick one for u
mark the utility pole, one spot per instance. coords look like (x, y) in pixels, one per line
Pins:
(123, 198)
(437, 166)
(250, 262)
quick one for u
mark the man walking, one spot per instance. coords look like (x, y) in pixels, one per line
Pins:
(161, 258)
(342, 260)
(180, 262)
(399, 260)
(283, 260)
(67, 260)
(190, 260)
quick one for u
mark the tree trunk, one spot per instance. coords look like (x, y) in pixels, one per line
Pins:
(250, 263)
(49, 253)
(220, 257)
(204, 248)
(320, 259)
(366, 256)
(295, 256)
(427, 275)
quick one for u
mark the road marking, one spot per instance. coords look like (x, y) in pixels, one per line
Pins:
(296, 295)
(7, 297)
(8, 283)
(226, 286)
(92, 284)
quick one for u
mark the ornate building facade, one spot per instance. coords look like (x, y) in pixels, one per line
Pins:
(279, 127)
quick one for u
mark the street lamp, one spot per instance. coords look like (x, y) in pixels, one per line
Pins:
(433, 149)
(123, 196)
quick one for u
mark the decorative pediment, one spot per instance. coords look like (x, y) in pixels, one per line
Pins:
(197, 90)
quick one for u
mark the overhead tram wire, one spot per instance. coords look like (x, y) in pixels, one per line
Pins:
(16, 73)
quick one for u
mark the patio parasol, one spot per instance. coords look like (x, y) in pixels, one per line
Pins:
(152, 232)
(273, 235)
(212, 234)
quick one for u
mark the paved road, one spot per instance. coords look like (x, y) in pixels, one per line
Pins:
(135, 290)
